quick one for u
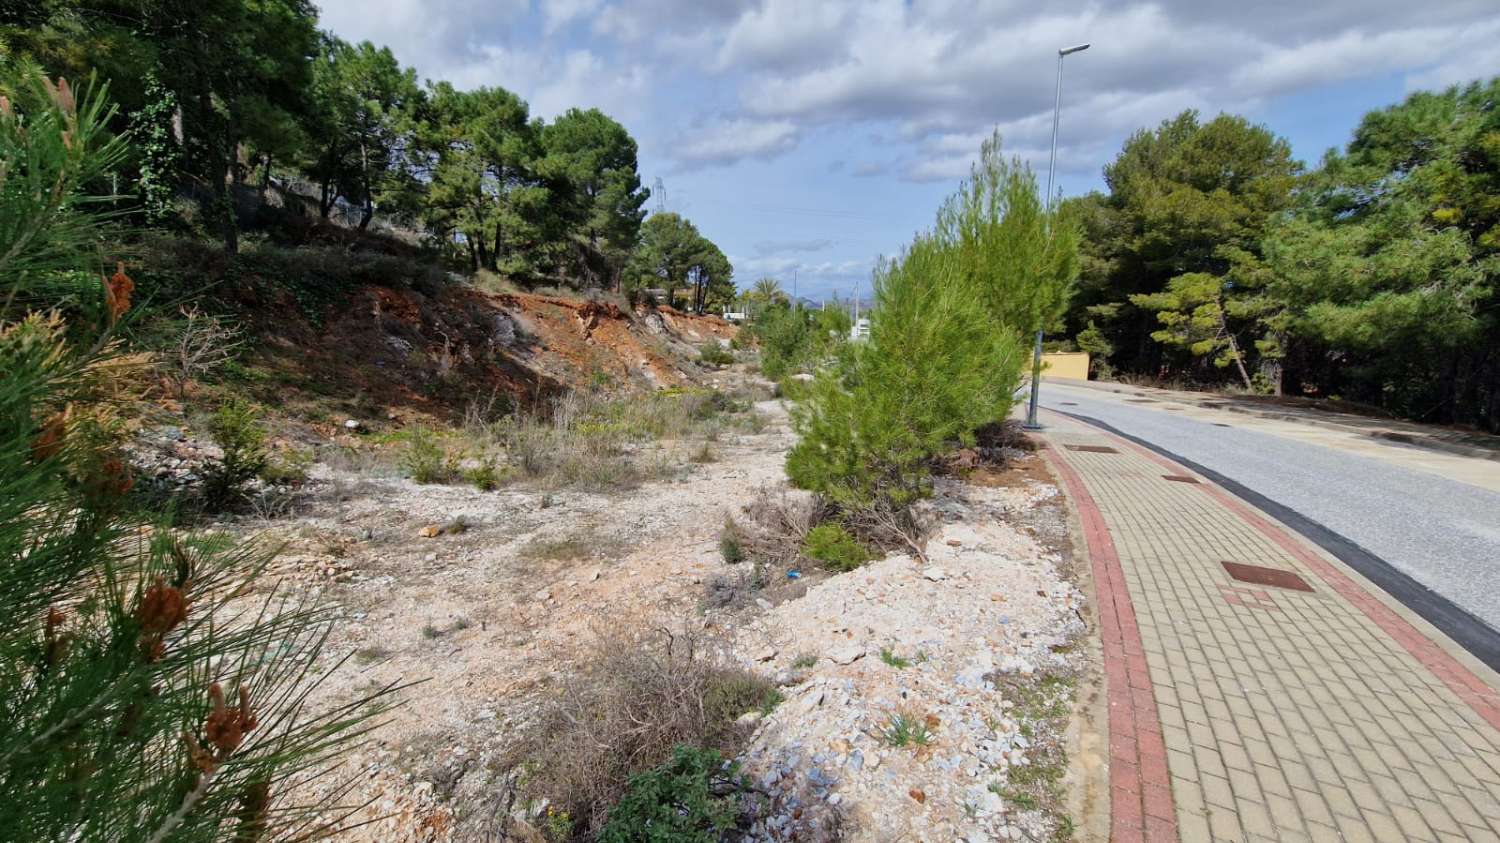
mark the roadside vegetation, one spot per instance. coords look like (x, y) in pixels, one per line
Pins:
(1216, 259)
(943, 360)
(634, 746)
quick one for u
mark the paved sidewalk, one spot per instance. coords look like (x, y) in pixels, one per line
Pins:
(1297, 705)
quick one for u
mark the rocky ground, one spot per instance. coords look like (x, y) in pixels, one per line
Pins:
(915, 690)
(898, 722)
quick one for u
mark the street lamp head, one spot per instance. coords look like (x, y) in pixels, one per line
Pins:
(1067, 51)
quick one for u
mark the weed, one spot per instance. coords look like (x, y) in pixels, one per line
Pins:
(425, 460)
(370, 655)
(288, 467)
(704, 454)
(889, 657)
(431, 632)
(804, 661)
(485, 476)
(832, 545)
(906, 730)
(582, 543)
(731, 543)
(713, 354)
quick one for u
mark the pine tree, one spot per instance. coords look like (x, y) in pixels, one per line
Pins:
(150, 690)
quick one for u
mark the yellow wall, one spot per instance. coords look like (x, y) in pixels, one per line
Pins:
(1073, 365)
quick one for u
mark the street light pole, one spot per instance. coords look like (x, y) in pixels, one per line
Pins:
(1036, 357)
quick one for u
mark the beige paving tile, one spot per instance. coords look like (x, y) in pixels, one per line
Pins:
(1286, 715)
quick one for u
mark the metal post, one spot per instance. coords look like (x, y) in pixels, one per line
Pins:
(1036, 357)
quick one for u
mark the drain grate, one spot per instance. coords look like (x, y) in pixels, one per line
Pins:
(1221, 424)
(1092, 449)
(1179, 478)
(1257, 575)
(1070, 403)
(1141, 401)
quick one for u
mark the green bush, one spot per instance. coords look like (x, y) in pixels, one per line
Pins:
(235, 427)
(713, 354)
(425, 460)
(934, 368)
(485, 477)
(731, 544)
(692, 798)
(832, 545)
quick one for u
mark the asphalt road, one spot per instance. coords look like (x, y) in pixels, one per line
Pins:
(1442, 533)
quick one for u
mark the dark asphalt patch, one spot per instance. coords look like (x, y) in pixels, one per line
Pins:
(1468, 631)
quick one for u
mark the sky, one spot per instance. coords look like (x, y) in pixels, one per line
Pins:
(809, 137)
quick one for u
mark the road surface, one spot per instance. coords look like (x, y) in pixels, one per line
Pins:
(1434, 517)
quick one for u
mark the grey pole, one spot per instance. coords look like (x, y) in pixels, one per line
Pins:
(1036, 357)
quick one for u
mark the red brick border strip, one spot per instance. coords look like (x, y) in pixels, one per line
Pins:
(1462, 681)
(1140, 791)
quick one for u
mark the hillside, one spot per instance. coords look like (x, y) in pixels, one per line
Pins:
(332, 333)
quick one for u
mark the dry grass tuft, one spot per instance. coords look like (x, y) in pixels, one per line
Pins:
(775, 524)
(623, 711)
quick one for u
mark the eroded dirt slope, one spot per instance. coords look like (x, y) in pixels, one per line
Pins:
(404, 352)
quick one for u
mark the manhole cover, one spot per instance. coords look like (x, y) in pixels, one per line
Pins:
(1092, 449)
(1257, 575)
(1178, 478)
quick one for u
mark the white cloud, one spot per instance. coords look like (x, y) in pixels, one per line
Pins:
(727, 141)
(559, 13)
(766, 247)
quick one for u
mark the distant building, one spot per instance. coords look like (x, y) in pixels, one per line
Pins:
(861, 329)
(735, 315)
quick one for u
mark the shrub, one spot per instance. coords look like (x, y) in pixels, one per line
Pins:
(785, 339)
(693, 798)
(425, 460)
(235, 427)
(485, 476)
(832, 545)
(934, 368)
(288, 467)
(713, 354)
(623, 713)
(731, 543)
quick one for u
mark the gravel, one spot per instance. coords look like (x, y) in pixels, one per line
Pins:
(1443, 533)
(924, 646)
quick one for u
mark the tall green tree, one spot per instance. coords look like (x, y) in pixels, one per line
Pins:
(590, 162)
(1390, 263)
(1005, 244)
(484, 187)
(1171, 269)
(360, 117)
(672, 253)
(239, 70)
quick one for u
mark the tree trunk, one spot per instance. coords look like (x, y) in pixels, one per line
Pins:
(325, 201)
(498, 233)
(1234, 348)
(483, 253)
(364, 175)
(265, 176)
